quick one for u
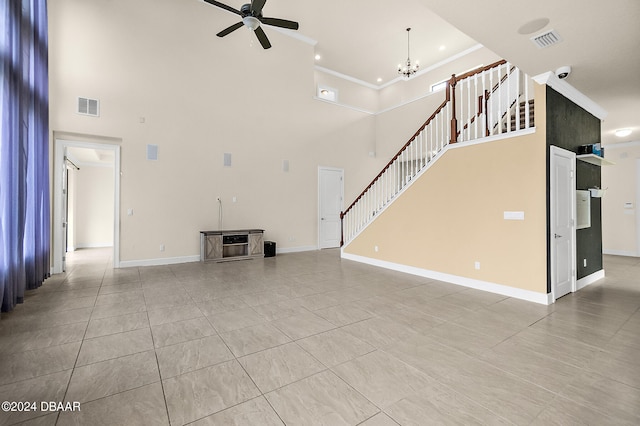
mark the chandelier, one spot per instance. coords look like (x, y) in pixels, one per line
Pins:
(408, 70)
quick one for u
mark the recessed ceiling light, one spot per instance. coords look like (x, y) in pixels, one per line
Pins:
(379, 79)
(318, 57)
(442, 48)
(621, 133)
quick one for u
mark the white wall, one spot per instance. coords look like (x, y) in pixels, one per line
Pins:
(164, 78)
(71, 209)
(93, 218)
(620, 224)
(201, 97)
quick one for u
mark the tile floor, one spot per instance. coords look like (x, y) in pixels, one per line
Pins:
(310, 339)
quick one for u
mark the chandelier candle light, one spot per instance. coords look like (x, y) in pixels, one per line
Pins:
(408, 70)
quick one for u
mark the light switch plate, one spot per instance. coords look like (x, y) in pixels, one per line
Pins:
(513, 215)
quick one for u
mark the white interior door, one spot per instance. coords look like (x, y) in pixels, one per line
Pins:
(330, 198)
(563, 219)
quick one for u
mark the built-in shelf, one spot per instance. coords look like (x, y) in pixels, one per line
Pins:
(595, 159)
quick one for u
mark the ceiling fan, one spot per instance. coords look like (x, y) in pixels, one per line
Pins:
(251, 14)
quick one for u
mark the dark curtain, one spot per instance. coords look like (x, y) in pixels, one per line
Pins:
(24, 149)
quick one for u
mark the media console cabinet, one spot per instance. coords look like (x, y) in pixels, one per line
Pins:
(221, 246)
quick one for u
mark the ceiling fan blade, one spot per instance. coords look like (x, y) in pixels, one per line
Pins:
(262, 37)
(282, 23)
(229, 30)
(224, 6)
(256, 7)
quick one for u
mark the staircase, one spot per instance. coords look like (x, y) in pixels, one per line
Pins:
(523, 117)
(489, 101)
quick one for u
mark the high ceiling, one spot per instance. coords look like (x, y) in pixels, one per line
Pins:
(600, 43)
(364, 39)
(367, 39)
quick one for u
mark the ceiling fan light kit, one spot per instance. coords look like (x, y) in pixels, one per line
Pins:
(251, 22)
(252, 18)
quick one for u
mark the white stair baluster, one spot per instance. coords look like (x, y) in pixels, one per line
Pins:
(527, 107)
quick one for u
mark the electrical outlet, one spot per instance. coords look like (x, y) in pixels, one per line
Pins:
(375, 248)
(584, 262)
(161, 247)
(477, 265)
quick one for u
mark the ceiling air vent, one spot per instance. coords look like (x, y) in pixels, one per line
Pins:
(546, 39)
(88, 106)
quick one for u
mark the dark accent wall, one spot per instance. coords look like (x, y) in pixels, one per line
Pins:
(568, 127)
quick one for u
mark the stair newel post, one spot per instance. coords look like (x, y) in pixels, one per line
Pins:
(486, 113)
(452, 96)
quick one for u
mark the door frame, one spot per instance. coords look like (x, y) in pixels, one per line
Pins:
(60, 146)
(635, 206)
(554, 150)
(322, 169)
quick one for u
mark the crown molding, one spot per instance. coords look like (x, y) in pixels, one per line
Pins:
(346, 77)
(571, 93)
(399, 79)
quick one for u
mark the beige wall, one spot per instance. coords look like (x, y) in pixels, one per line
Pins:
(619, 224)
(200, 97)
(452, 216)
(93, 197)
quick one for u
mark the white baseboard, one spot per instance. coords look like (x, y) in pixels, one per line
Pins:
(295, 249)
(620, 253)
(517, 293)
(190, 259)
(159, 262)
(93, 245)
(589, 279)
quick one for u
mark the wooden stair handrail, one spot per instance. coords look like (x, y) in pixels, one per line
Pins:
(487, 93)
(450, 87)
(415, 135)
(480, 70)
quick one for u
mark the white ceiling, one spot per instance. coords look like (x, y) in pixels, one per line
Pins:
(600, 43)
(366, 39)
(84, 157)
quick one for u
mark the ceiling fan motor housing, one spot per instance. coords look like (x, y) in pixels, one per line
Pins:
(246, 10)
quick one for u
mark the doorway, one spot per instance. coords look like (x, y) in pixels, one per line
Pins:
(330, 203)
(635, 206)
(64, 215)
(562, 222)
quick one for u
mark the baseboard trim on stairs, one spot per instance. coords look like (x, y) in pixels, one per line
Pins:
(517, 293)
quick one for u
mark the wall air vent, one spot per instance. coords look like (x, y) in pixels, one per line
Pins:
(88, 106)
(546, 39)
